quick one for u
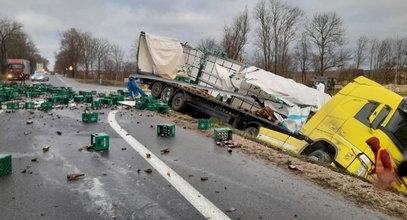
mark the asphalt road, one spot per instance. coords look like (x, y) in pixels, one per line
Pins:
(116, 185)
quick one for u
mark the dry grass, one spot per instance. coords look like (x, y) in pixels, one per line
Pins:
(359, 191)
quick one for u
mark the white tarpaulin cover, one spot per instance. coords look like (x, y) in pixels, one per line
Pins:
(287, 90)
(159, 55)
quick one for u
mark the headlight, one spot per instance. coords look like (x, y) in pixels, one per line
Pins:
(9, 75)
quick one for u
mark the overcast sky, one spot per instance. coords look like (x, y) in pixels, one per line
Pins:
(121, 21)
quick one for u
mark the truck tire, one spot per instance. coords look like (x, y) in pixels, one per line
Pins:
(178, 102)
(166, 93)
(253, 131)
(321, 156)
(156, 89)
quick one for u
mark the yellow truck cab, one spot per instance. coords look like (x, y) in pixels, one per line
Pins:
(337, 132)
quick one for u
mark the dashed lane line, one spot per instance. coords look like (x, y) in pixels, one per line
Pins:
(193, 196)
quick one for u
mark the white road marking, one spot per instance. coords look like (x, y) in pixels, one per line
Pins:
(1, 111)
(201, 203)
(63, 81)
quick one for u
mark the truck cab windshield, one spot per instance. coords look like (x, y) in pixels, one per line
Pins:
(16, 66)
(398, 126)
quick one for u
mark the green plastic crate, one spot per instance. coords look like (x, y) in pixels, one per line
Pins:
(148, 99)
(106, 101)
(54, 99)
(100, 141)
(78, 98)
(102, 95)
(5, 164)
(204, 123)
(88, 99)
(96, 105)
(120, 92)
(114, 100)
(90, 117)
(166, 130)
(29, 105)
(64, 100)
(46, 106)
(152, 106)
(13, 105)
(222, 134)
(93, 92)
(140, 105)
(120, 98)
(183, 79)
(163, 109)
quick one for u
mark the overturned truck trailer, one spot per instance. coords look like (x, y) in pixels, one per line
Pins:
(245, 97)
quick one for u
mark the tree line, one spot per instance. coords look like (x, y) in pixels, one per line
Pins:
(81, 55)
(16, 44)
(288, 43)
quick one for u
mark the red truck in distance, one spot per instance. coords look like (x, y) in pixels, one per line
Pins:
(18, 69)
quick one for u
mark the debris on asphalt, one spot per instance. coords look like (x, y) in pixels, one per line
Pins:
(75, 176)
(59, 133)
(140, 114)
(123, 148)
(168, 173)
(165, 151)
(292, 167)
(229, 150)
(34, 160)
(149, 171)
(27, 133)
(204, 178)
(45, 149)
(185, 127)
(101, 113)
(148, 156)
(228, 143)
(151, 126)
(29, 122)
(232, 209)
(24, 171)
(138, 122)
(138, 170)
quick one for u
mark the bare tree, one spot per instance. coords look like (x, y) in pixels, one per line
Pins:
(398, 44)
(326, 32)
(235, 36)
(263, 33)
(117, 57)
(88, 50)
(372, 55)
(102, 49)
(71, 46)
(301, 54)
(360, 52)
(209, 45)
(7, 29)
(277, 29)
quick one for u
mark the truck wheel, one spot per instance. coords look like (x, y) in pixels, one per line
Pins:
(253, 131)
(178, 102)
(321, 156)
(156, 90)
(167, 93)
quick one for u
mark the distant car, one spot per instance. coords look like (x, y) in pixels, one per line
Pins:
(39, 76)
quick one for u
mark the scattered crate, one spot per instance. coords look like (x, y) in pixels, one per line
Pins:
(185, 79)
(88, 99)
(140, 105)
(152, 106)
(163, 108)
(90, 117)
(93, 92)
(102, 95)
(148, 99)
(5, 164)
(166, 130)
(29, 105)
(96, 105)
(204, 123)
(79, 98)
(100, 141)
(45, 106)
(106, 101)
(222, 134)
(13, 105)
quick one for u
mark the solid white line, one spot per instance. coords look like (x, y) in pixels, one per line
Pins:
(63, 81)
(202, 204)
